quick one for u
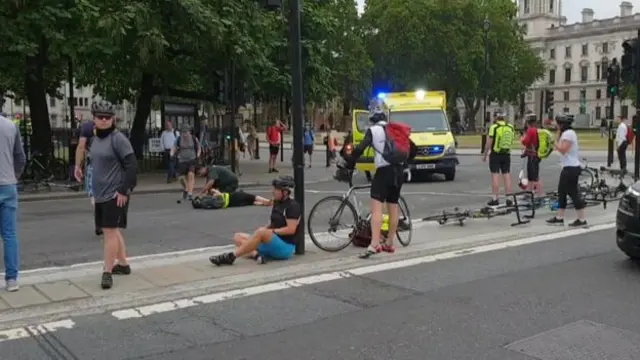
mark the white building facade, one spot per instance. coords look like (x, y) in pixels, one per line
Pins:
(576, 58)
(59, 109)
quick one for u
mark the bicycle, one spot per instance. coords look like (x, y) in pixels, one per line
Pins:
(41, 171)
(348, 200)
(593, 179)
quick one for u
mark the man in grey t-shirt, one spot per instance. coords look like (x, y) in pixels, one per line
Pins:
(114, 177)
(187, 148)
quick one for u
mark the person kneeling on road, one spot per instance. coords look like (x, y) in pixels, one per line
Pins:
(219, 178)
(275, 241)
(220, 200)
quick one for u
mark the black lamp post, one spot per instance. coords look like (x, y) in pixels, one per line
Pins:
(486, 26)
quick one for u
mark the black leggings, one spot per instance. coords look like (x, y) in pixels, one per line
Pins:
(568, 186)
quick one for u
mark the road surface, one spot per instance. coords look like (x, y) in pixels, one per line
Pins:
(60, 232)
(566, 298)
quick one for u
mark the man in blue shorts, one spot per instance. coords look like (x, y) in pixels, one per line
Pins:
(275, 241)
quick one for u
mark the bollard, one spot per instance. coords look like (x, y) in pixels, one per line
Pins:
(328, 154)
(483, 142)
(257, 152)
(281, 146)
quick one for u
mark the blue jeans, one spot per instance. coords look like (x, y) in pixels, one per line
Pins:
(8, 229)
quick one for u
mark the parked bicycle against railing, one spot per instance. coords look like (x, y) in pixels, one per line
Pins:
(349, 220)
(45, 171)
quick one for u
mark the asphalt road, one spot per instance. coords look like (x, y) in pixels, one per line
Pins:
(565, 299)
(60, 232)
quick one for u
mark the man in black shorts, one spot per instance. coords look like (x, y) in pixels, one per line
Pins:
(498, 149)
(219, 178)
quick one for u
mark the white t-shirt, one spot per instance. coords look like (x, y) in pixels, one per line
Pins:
(572, 157)
(621, 134)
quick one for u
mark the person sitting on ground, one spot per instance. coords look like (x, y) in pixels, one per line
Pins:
(220, 178)
(274, 241)
(219, 200)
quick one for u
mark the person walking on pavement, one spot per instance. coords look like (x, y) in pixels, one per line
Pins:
(624, 136)
(12, 162)
(86, 134)
(115, 167)
(603, 128)
(167, 140)
(250, 130)
(309, 140)
(188, 150)
(498, 149)
(274, 137)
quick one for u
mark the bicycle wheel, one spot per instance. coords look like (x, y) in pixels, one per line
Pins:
(331, 226)
(405, 227)
(586, 179)
(59, 169)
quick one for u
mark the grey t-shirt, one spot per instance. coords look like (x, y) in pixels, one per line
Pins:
(186, 148)
(106, 158)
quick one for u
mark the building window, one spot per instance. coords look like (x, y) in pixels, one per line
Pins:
(552, 76)
(526, 7)
(584, 72)
(52, 101)
(567, 52)
(550, 114)
(529, 96)
(567, 75)
(598, 94)
(624, 111)
(598, 112)
(565, 96)
(525, 29)
(551, 6)
(565, 110)
(552, 54)
(605, 48)
(54, 120)
(603, 66)
(597, 72)
(17, 102)
(86, 102)
(75, 101)
(585, 50)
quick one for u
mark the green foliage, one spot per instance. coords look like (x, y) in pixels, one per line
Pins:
(440, 44)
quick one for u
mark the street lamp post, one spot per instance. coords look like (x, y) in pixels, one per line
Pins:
(486, 26)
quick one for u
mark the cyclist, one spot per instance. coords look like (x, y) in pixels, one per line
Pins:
(387, 181)
(567, 146)
(223, 200)
(498, 147)
(275, 241)
(530, 142)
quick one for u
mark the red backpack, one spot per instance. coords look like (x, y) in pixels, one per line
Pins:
(630, 135)
(397, 146)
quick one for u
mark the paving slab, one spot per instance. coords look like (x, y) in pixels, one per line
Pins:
(171, 275)
(61, 290)
(121, 284)
(26, 296)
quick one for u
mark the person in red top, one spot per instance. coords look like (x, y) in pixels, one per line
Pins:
(274, 132)
(530, 143)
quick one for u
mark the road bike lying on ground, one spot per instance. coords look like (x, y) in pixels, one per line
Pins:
(595, 180)
(348, 219)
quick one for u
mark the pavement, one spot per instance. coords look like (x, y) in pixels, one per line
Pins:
(483, 291)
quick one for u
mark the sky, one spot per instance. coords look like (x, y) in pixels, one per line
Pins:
(572, 9)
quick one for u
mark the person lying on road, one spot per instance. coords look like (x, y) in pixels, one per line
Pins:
(220, 178)
(274, 241)
(220, 200)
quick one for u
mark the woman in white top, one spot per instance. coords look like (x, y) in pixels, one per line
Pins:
(567, 146)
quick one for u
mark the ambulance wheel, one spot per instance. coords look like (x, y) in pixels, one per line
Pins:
(368, 175)
(450, 175)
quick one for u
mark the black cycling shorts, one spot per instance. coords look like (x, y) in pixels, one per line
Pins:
(387, 183)
(499, 163)
(274, 149)
(241, 198)
(533, 168)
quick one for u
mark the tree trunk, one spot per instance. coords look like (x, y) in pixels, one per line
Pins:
(143, 109)
(472, 105)
(35, 89)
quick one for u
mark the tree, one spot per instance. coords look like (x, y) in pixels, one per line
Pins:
(439, 44)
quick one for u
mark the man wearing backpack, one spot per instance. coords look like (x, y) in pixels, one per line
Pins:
(624, 137)
(187, 148)
(392, 150)
(498, 148)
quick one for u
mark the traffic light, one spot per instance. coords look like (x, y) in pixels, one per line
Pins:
(548, 100)
(613, 81)
(629, 61)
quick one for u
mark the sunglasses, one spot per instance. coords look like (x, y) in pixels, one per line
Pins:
(103, 117)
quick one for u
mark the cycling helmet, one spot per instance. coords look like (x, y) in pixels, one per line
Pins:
(284, 182)
(376, 111)
(564, 119)
(102, 107)
(500, 115)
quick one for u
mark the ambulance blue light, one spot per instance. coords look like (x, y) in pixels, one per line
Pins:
(382, 96)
